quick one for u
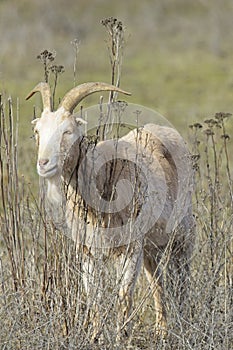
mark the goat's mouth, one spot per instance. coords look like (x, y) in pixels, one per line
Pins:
(47, 172)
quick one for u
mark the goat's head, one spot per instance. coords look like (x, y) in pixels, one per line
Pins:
(57, 131)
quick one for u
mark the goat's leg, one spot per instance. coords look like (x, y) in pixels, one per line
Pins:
(92, 288)
(180, 273)
(181, 258)
(154, 277)
(128, 271)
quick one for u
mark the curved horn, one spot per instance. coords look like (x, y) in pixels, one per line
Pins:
(44, 89)
(77, 94)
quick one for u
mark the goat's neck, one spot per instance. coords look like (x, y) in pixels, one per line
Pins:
(69, 176)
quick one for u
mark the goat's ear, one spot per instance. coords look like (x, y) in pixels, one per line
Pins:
(80, 121)
(34, 121)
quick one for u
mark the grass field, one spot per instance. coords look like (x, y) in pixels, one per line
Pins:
(178, 61)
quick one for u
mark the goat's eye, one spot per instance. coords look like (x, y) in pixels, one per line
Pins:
(67, 132)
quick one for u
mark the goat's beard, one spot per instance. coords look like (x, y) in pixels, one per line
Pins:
(54, 190)
(55, 200)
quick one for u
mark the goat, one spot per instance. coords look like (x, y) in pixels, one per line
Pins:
(136, 225)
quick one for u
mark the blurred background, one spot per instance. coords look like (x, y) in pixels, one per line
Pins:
(177, 56)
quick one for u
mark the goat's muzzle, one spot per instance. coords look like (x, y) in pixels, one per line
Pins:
(46, 168)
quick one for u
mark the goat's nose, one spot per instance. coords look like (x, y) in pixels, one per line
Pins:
(43, 162)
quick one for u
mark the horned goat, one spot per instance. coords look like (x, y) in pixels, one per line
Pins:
(154, 216)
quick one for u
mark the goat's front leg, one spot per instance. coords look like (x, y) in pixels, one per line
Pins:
(92, 285)
(128, 269)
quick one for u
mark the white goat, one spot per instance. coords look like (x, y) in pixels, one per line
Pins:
(139, 224)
